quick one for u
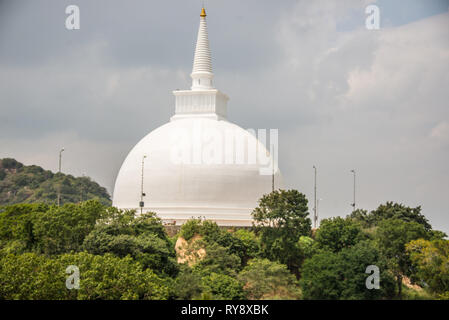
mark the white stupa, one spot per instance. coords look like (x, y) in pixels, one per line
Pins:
(198, 164)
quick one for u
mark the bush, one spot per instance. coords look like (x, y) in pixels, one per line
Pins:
(390, 210)
(281, 219)
(430, 260)
(308, 246)
(217, 260)
(341, 275)
(391, 237)
(30, 276)
(205, 228)
(187, 285)
(190, 228)
(111, 278)
(222, 287)
(251, 244)
(63, 229)
(217, 239)
(337, 233)
(264, 279)
(9, 163)
(142, 237)
(17, 223)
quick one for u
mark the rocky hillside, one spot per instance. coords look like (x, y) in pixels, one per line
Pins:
(27, 184)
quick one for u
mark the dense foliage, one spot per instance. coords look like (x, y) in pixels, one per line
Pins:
(281, 219)
(392, 236)
(143, 238)
(431, 262)
(48, 229)
(263, 278)
(338, 233)
(341, 275)
(32, 276)
(121, 255)
(390, 210)
(32, 184)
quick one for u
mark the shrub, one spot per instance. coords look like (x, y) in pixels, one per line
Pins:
(264, 279)
(30, 276)
(222, 287)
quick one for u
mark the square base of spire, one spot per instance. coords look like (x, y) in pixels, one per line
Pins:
(200, 103)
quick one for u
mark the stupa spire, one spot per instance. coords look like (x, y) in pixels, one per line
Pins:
(202, 100)
(202, 63)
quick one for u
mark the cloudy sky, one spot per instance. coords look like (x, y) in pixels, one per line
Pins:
(343, 97)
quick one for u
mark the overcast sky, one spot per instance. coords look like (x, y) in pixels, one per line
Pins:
(343, 97)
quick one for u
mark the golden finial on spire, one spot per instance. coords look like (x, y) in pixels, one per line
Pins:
(203, 13)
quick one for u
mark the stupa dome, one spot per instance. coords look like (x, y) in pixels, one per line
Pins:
(199, 164)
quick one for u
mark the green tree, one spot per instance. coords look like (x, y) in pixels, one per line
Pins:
(32, 184)
(187, 285)
(391, 236)
(251, 244)
(111, 278)
(222, 287)
(390, 210)
(233, 244)
(361, 217)
(242, 243)
(281, 219)
(354, 261)
(264, 279)
(205, 228)
(337, 233)
(341, 275)
(431, 262)
(321, 277)
(218, 259)
(30, 276)
(190, 228)
(437, 235)
(308, 246)
(63, 229)
(142, 237)
(16, 224)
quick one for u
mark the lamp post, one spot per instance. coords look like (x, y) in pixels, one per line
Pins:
(272, 164)
(142, 194)
(317, 207)
(353, 202)
(315, 216)
(59, 171)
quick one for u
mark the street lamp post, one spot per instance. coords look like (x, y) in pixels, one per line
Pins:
(142, 194)
(317, 208)
(353, 202)
(315, 217)
(59, 171)
(272, 163)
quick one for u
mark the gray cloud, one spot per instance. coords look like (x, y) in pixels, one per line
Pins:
(342, 97)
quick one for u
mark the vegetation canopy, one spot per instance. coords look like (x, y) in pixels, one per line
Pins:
(123, 255)
(32, 184)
